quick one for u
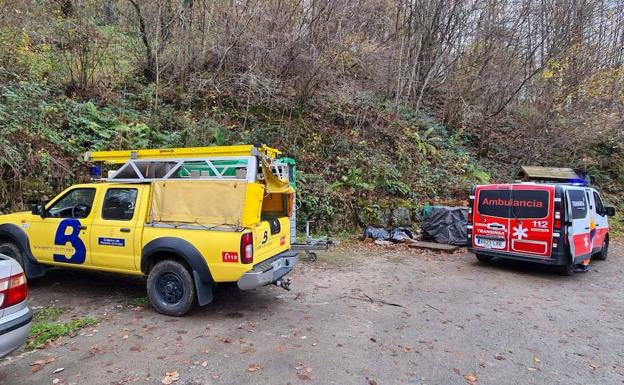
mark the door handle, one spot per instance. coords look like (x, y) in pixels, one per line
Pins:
(124, 230)
(587, 228)
(82, 227)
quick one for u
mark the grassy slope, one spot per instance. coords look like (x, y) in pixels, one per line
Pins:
(357, 160)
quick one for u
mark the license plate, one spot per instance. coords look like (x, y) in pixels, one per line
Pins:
(490, 243)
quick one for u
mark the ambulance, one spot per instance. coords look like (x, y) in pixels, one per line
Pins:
(551, 217)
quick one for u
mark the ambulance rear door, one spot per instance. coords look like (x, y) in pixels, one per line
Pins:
(531, 221)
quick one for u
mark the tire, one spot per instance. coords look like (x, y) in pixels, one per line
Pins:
(10, 249)
(484, 258)
(170, 288)
(567, 270)
(604, 253)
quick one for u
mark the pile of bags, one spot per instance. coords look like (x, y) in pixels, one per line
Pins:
(441, 224)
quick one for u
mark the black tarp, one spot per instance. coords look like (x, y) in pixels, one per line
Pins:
(396, 234)
(446, 224)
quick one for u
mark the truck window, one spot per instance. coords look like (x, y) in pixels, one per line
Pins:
(599, 205)
(76, 203)
(514, 203)
(578, 202)
(119, 204)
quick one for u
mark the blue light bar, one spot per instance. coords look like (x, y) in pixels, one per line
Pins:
(95, 172)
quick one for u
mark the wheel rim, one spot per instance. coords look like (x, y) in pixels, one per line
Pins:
(170, 288)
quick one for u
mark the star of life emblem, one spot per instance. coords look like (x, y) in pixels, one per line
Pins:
(520, 232)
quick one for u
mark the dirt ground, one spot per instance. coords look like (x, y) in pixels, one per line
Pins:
(434, 319)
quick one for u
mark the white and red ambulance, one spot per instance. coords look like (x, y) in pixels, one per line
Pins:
(551, 223)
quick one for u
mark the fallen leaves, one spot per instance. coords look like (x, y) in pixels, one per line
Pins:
(470, 377)
(253, 368)
(171, 377)
(247, 350)
(39, 364)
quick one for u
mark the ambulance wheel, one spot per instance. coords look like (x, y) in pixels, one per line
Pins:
(484, 258)
(604, 253)
(170, 288)
(567, 269)
(10, 249)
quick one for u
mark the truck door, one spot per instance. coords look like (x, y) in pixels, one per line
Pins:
(114, 229)
(63, 235)
(578, 222)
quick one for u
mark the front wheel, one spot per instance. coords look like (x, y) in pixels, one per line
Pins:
(604, 253)
(170, 288)
(10, 249)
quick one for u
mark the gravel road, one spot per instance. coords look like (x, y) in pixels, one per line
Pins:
(360, 315)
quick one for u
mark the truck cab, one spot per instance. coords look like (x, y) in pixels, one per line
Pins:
(550, 223)
(188, 219)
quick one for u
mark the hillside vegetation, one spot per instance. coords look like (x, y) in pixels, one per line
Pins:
(384, 105)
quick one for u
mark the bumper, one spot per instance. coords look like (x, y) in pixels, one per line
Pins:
(558, 259)
(14, 333)
(269, 271)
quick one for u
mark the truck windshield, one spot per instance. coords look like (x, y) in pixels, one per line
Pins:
(513, 204)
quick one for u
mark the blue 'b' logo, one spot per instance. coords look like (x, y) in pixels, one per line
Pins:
(62, 239)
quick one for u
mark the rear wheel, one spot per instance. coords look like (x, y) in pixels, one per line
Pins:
(170, 288)
(10, 249)
(567, 269)
(604, 253)
(484, 258)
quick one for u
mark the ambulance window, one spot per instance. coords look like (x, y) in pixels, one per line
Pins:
(578, 203)
(599, 205)
(529, 204)
(514, 204)
(493, 203)
(119, 204)
(76, 203)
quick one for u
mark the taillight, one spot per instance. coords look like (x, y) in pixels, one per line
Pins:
(471, 209)
(13, 290)
(246, 248)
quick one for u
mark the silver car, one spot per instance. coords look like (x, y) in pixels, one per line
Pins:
(15, 316)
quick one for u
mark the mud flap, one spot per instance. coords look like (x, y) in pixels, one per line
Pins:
(33, 269)
(204, 291)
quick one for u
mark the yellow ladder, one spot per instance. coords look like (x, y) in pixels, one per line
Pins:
(123, 156)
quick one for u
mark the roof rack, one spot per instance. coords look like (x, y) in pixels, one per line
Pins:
(550, 175)
(239, 163)
(122, 156)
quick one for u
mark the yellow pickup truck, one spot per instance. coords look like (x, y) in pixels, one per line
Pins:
(186, 218)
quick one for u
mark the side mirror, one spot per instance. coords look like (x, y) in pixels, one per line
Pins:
(39, 209)
(610, 211)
